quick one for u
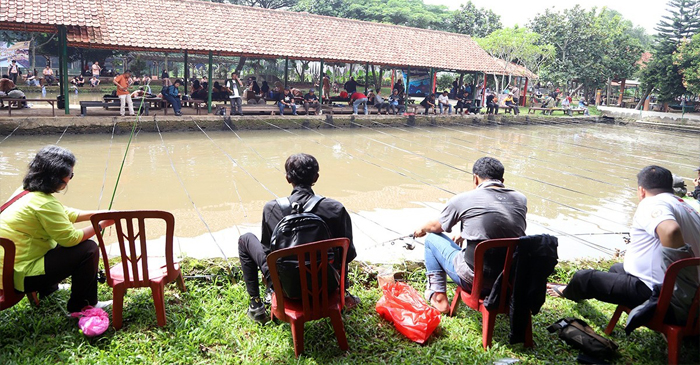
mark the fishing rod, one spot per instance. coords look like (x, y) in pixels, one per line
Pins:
(172, 164)
(104, 176)
(61, 137)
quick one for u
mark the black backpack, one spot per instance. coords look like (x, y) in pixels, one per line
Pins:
(299, 226)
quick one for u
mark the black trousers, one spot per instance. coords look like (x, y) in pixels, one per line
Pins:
(253, 258)
(615, 286)
(80, 263)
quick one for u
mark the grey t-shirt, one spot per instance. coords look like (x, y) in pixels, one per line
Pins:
(485, 213)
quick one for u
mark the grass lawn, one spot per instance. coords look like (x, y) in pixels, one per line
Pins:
(208, 324)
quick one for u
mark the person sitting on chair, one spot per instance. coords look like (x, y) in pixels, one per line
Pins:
(286, 100)
(302, 173)
(429, 103)
(49, 247)
(311, 101)
(509, 102)
(489, 211)
(661, 221)
(492, 104)
(396, 102)
(444, 102)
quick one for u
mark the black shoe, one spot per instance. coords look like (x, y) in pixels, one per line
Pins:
(351, 301)
(256, 311)
(269, 293)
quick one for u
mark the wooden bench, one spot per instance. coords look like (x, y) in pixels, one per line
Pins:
(18, 101)
(549, 111)
(106, 104)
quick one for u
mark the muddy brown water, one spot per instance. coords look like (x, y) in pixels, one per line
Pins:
(579, 178)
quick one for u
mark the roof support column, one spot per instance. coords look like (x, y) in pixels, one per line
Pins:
(286, 73)
(523, 93)
(432, 83)
(63, 56)
(408, 81)
(210, 83)
(366, 77)
(320, 83)
(187, 71)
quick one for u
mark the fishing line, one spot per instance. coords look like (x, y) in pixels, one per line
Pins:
(531, 193)
(235, 186)
(588, 243)
(192, 201)
(104, 176)
(61, 137)
(13, 131)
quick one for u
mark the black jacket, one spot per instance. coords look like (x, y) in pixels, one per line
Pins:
(534, 260)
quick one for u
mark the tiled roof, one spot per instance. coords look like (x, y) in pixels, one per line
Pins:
(200, 27)
(45, 15)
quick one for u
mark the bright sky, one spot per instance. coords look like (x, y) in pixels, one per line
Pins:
(645, 13)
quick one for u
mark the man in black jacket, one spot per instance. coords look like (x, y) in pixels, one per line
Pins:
(302, 173)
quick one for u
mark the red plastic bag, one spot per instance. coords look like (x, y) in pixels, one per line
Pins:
(411, 315)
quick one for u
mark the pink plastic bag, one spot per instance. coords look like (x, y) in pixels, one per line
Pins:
(93, 321)
(411, 315)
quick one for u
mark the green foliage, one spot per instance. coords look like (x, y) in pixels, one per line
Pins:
(207, 324)
(444, 81)
(688, 59)
(474, 22)
(590, 46)
(518, 45)
(662, 73)
(411, 13)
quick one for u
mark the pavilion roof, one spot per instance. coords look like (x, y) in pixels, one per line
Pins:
(233, 30)
(513, 69)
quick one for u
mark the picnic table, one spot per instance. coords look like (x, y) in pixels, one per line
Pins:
(19, 101)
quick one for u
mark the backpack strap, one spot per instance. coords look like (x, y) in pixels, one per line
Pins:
(559, 325)
(14, 199)
(311, 203)
(285, 205)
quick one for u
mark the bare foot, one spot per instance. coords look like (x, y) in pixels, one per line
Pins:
(556, 290)
(440, 302)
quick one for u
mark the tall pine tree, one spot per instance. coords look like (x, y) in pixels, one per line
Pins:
(662, 74)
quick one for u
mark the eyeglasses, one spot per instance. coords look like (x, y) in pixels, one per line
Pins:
(71, 176)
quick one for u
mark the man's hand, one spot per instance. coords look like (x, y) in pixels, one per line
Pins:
(419, 233)
(458, 239)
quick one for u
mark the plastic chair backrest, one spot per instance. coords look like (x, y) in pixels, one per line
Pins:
(509, 244)
(8, 295)
(692, 323)
(314, 297)
(132, 243)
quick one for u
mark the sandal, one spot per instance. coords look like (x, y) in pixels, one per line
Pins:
(556, 290)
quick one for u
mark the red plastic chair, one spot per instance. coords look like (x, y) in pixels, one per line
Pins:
(316, 303)
(674, 333)
(8, 295)
(136, 269)
(475, 301)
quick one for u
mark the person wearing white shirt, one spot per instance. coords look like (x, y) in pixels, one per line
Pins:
(662, 221)
(444, 102)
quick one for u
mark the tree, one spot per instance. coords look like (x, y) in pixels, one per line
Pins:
(516, 45)
(590, 46)
(474, 22)
(687, 58)
(662, 73)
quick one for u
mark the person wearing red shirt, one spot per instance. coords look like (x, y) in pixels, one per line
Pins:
(356, 99)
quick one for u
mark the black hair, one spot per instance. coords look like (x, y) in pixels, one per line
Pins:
(47, 170)
(488, 168)
(302, 169)
(655, 178)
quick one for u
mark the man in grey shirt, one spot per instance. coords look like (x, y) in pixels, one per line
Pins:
(489, 211)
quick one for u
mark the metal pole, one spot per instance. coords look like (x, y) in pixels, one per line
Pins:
(187, 72)
(408, 81)
(209, 84)
(286, 72)
(64, 66)
(366, 76)
(320, 83)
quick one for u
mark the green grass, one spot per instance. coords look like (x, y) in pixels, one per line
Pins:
(208, 324)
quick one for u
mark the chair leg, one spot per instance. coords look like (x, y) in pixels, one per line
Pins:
(674, 336)
(33, 299)
(339, 330)
(488, 324)
(118, 293)
(181, 283)
(298, 336)
(455, 301)
(158, 291)
(613, 321)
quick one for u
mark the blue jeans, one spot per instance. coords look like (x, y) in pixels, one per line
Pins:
(357, 103)
(448, 107)
(174, 101)
(282, 106)
(440, 252)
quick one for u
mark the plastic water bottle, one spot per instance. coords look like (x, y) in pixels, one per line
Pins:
(76, 91)
(43, 90)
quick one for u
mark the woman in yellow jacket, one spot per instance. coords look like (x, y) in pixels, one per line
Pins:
(48, 247)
